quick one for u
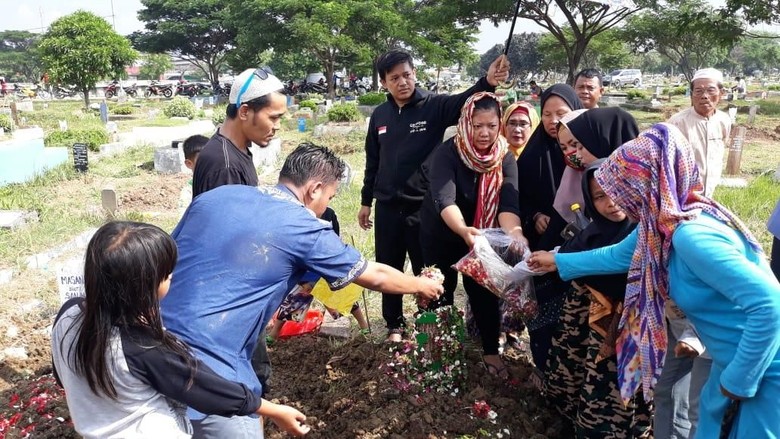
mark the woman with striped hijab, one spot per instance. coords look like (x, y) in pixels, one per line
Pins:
(473, 186)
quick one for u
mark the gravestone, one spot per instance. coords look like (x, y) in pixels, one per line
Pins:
(109, 201)
(14, 113)
(70, 279)
(752, 114)
(733, 114)
(63, 125)
(338, 328)
(80, 157)
(735, 152)
(168, 160)
(104, 112)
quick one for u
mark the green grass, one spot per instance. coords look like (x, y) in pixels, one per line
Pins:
(753, 205)
(62, 215)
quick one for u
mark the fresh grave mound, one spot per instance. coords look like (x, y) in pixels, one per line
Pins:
(344, 391)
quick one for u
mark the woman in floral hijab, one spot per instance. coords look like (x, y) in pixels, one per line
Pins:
(688, 249)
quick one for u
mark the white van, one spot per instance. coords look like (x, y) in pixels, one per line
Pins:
(619, 78)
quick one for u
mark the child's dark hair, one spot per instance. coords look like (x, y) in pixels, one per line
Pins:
(193, 145)
(390, 59)
(125, 264)
(309, 161)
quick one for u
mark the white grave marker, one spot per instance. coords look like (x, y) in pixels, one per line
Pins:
(70, 279)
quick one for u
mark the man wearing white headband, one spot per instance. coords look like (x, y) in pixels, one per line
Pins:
(255, 109)
(688, 366)
(253, 115)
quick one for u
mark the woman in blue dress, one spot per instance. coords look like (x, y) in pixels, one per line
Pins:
(689, 253)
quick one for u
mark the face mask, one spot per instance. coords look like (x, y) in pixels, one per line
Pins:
(573, 161)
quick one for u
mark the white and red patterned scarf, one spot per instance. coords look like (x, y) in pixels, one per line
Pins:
(487, 164)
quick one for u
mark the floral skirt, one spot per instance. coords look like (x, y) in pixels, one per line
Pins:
(586, 391)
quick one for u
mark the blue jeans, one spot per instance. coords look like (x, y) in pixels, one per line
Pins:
(671, 396)
(234, 427)
(699, 375)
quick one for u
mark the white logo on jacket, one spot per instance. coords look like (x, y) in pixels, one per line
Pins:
(418, 127)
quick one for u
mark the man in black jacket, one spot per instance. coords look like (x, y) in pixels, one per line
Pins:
(401, 134)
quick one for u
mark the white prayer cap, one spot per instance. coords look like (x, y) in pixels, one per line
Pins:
(252, 84)
(708, 73)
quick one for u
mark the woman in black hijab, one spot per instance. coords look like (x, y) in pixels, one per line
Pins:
(600, 131)
(540, 168)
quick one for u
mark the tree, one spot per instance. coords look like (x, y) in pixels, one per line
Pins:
(19, 58)
(352, 33)
(607, 51)
(752, 11)
(584, 18)
(759, 51)
(195, 30)
(692, 36)
(81, 49)
(327, 30)
(524, 55)
(155, 65)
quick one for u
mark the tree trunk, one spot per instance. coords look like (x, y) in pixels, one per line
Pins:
(330, 68)
(574, 60)
(85, 92)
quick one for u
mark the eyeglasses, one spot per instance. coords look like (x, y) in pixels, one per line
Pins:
(261, 73)
(522, 125)
(712, 91)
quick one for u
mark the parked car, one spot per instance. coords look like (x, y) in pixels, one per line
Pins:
(621, 77)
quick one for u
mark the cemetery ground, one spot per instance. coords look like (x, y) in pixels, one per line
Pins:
(340, 384)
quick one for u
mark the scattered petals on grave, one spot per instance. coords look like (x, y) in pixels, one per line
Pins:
(37, 407)
(433, 360)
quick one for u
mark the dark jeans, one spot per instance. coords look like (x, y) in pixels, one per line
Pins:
(775, 263)
(396, 233)
(261, 363)
(485, 306)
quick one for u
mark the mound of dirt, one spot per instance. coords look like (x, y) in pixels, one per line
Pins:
(162, 196)
(344, 392)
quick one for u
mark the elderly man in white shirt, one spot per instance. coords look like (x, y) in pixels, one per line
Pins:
(706, 127)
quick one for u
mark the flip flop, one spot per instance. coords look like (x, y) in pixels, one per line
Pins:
(497, 371)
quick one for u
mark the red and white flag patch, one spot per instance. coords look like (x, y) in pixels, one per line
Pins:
(381, 130)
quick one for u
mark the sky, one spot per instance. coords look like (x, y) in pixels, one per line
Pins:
(33, 15)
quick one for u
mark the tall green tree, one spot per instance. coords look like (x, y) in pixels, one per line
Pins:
(19, 60)
(692, 35)
(524, 55)
(760, 51)
(352, 33)
(327, 30)
(607, 51)
(752, 11)
(583, 18)
(81, 49)
(199, 31)
(155, 65)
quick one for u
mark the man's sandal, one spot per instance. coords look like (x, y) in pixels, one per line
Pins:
(500, 372)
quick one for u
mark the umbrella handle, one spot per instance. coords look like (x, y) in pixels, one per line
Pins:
(510, 83)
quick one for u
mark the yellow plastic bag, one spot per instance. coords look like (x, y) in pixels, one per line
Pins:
(340, 300)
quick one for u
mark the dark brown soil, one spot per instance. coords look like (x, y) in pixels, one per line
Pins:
(344, 392)
(163, 195)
